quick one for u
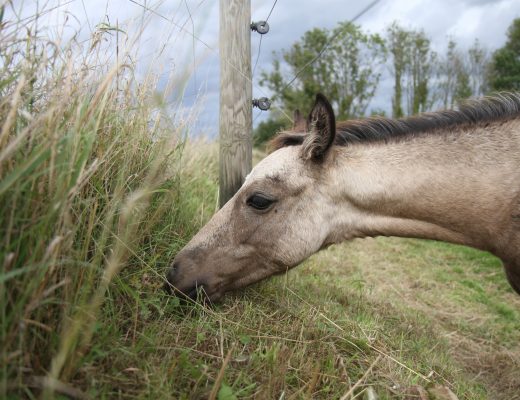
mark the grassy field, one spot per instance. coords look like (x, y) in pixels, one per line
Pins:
(99, 190)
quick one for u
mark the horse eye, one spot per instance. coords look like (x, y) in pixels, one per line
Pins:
(259, 202)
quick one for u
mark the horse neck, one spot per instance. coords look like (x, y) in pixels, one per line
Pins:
(451, 187)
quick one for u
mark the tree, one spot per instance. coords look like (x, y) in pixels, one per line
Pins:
(412, 68)
(266, 130)
(348, 71)
(505, 66)
(397, 44)
(461, 74)
(422, 59)
(452, 77)
(478, 67)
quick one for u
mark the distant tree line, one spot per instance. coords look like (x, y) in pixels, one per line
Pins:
(350, 70)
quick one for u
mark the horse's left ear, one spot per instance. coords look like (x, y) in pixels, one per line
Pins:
(322, 130)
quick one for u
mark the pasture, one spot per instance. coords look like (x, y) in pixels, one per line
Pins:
(99, 190)
(376, 315)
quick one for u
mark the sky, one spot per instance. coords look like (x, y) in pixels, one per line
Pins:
(179, 39)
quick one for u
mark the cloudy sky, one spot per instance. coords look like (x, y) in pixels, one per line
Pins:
(168, 47)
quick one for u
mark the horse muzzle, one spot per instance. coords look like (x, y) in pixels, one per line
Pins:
(183, 281)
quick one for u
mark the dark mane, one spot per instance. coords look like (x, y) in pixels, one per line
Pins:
(380, 129)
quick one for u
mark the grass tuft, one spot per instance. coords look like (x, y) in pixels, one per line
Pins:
(89, 186)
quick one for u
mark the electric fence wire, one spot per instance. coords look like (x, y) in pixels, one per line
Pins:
(258, 56)
(193, 47)
(321, 52)
(329, 42)
(270, 12)
(249, 79)
(211, 49)
(261, 36)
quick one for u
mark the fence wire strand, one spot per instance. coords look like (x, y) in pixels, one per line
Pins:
(250, 79)
(260, 43)
(329, 42)
(213, 50)
(258, 57)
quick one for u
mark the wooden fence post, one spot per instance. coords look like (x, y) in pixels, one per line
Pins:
(235, 96)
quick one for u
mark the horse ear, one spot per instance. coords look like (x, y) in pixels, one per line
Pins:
(322, 125)
(300, 123)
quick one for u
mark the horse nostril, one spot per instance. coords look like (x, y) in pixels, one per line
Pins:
(184, 283)
(174, 270)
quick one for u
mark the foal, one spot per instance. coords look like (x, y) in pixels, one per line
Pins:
(450, 175)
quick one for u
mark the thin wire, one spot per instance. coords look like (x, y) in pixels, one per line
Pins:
(49, 10)
(212, 50)
(260, 44)
(270, 12)
(360, 14)
(86, 16)
(257, 55)
(193, 46)
(257, 115)
(181, 27)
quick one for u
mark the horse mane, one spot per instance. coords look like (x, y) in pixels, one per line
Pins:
(472, 112)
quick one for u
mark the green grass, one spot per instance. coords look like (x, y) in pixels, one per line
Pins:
(99, 191)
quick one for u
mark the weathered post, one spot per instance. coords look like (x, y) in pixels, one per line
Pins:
(235, 96)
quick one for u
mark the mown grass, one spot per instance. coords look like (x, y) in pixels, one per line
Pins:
(98, 192)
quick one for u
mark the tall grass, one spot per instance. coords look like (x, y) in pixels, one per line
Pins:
(89, 185)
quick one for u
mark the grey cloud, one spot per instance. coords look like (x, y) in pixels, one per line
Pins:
(464, 20)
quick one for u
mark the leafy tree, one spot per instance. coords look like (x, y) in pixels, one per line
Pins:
(478, 68)
(461, 74)
(420, 71)
(348, 71)
(463, 87)
(267, 129)
(412, 68)
(505, 67)
(397, 39)
(453, 77)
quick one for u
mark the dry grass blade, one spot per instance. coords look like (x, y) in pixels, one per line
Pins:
(439, 392)
(220, 376)
(41, 382)
(361, 380)
(370, 345)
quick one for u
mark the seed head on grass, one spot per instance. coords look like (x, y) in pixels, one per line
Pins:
(84, 179)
